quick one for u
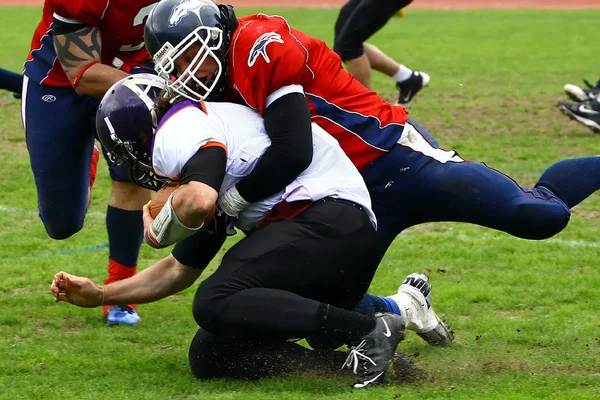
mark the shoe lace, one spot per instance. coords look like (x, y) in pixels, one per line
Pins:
(355, 356)
(589, 85)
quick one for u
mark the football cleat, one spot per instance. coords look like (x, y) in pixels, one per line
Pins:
(587, 113)
(410, 87)
(576, 93)
(122, 315)
(414, 300)
(370, 357)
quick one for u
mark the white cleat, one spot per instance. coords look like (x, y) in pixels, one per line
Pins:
(414, 300)
(579, 94)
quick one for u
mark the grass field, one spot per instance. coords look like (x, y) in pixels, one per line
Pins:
(525, 313)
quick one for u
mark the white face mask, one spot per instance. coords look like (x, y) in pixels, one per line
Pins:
(186, 84)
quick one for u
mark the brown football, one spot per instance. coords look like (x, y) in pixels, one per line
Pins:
(161, 197)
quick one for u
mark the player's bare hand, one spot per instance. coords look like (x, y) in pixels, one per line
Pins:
(147, 222)
(146, 216)
(76, 290)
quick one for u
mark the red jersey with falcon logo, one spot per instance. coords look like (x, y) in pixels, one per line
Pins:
(121, 26)
(267, 57)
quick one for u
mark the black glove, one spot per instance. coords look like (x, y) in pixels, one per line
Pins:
(222, 223)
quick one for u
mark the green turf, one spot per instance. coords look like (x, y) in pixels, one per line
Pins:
(525, 313)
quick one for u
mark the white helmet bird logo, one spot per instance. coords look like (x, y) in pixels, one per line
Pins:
(184, 9)
(260, 47)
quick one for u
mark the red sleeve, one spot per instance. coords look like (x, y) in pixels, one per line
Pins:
(85, 11)
(267, 56)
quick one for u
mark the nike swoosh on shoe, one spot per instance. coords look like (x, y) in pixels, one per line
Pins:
(359, 385)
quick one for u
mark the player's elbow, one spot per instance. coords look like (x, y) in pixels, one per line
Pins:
(191, 210)
(193, 202)
(299, 165)
(81, 90)
(77, 79)
(297, 161)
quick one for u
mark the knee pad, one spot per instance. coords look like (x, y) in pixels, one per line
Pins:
(540, 221)
(60, 227)
(346, 48)
(201, 357)
(118, 173)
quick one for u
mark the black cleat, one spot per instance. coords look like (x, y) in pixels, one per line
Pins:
(587, 113)
(410, 87)
(576, 93)
(370, 358)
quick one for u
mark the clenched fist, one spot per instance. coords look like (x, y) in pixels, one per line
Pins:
(76, 290)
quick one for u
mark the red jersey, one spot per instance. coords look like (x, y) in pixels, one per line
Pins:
(121, 25)
(267, 57)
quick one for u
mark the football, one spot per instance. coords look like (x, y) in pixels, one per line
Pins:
(161, 197)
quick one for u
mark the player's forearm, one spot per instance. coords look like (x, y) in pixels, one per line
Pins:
(79, 50)
(161, 280)
(97, 79)
(181, 216)
(288, 124)
(193, 202)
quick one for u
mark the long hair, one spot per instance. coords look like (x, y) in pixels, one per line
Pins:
(165, 100)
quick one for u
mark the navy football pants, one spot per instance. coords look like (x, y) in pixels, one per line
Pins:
(417, 182)
(60, 128)
(10, 81)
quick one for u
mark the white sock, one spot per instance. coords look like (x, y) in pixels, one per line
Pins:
(403, 74)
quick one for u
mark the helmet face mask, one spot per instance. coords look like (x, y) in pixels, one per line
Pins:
(209, 41)
(196, 36)
(147, 178)
(126, 123)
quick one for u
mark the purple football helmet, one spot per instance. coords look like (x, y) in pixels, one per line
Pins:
(126, 120)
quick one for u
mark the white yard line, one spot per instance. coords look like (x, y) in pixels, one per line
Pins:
(24, 211)
(561, 242)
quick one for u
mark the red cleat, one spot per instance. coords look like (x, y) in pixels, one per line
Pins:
(123, 314)
(94, 166)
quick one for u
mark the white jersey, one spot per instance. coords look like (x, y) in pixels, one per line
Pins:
(188, 126)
